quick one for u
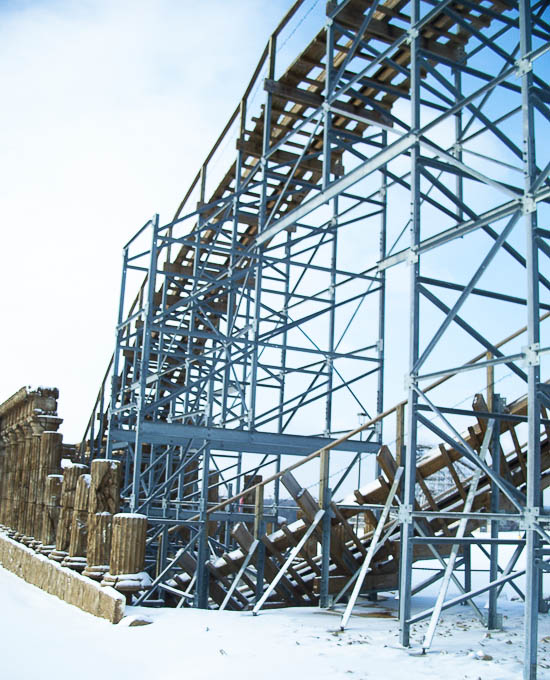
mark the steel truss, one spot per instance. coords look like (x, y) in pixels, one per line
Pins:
(262, 316)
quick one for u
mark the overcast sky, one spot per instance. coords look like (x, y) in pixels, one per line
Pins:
(109, 107)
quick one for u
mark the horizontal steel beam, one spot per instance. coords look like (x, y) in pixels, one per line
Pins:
(474, 540)
(225, 439)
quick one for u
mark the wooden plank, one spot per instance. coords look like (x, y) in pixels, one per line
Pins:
(284, 587)
(304, 552)
(300, 583)
(288, 158)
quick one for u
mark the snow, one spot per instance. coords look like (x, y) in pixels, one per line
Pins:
(47, 638)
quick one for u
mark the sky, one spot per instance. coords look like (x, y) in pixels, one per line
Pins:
(109, 108)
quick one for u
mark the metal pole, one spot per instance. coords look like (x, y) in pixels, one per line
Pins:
(325, 497)
(143, 367)
(533, 339)
(407, 529)
(262, 216)
(115, 386)
(493, 618)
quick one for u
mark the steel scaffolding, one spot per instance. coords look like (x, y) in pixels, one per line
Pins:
(407, 135)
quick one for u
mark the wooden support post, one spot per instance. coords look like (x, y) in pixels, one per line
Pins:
(7, 485)
(258, 511)
(51, 448)
(127, 559)
(106, 478)
(3, 457)
(249, 498)
(34, 488)
(104, 502)
(19, 497)
(213, 498)
(50, 513)
(399, 433)
(68, 492)
(76, 559)
(98, 549)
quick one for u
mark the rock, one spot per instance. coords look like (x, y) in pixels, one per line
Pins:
(482, 656)
(136, 620)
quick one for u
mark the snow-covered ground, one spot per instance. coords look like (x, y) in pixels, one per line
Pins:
(44, 638)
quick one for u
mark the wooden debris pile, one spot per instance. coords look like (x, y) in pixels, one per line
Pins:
(348, 544)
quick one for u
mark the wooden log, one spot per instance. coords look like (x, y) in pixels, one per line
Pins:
(213, 498)
(128, 546)
(98, 551)
(106, 476)
(76, 559)
(190, 477)
(127, 559)
(13, 457)
(3, 452)
(284, 588)
(51, 451)
(19, 492)
(7, 481)
(49, 464)
(249, 498)
(33, 491)
(104, 502)
(63, 535)
(50, 514)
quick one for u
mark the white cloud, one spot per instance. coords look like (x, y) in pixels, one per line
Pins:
(109, 108)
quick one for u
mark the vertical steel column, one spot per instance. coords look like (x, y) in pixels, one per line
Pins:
(101, 420)
(329, 87)
(382, 294)
(327, 144)
(467, 558)
(324, 462)
(325, 497)
(407, 530)
(261, 223)
(231, 298)
(457, 151)
(532, 507)
(259, 530)
(492, 618)
(148, 312)
(116, 357)
(197, 233)
(332, 316)
(282, 379)
(201, 592)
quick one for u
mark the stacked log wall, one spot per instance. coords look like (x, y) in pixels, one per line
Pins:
(54, 509)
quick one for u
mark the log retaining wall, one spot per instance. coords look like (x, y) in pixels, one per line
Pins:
(56, 515)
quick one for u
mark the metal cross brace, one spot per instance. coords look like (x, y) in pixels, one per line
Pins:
(240, 573)
(372, 549)
(468, 503)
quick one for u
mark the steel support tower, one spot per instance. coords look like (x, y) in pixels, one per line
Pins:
(408, 136)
